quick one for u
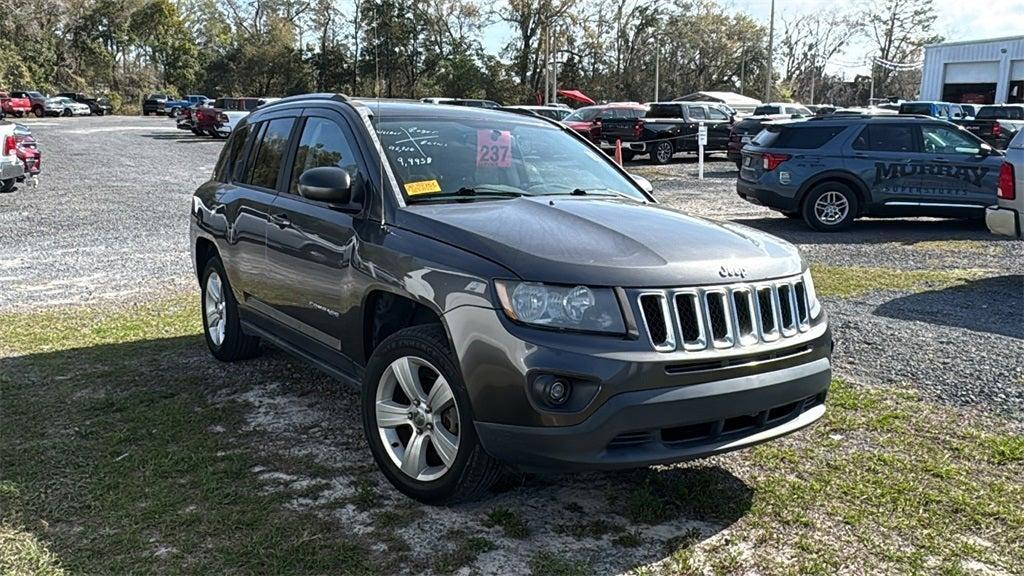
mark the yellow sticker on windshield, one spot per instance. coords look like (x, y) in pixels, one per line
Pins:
(422, 187)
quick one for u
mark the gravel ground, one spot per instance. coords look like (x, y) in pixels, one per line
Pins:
(89, 234)
(109, 219)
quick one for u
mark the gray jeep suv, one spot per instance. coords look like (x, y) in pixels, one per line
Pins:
(501, 292)
(831, 170)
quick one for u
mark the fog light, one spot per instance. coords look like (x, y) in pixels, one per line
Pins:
(558, 392)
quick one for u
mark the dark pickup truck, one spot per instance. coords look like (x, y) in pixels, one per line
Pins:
(996, 125)
(670, 127)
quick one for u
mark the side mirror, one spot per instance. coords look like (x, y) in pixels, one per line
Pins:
(326, 184)
(644, 183)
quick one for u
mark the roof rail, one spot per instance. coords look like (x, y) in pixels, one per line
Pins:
(337, 97)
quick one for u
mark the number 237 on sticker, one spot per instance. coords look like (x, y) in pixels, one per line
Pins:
(494, 148)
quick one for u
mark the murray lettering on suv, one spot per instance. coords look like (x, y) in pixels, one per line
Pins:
(501, 292)
(831, 170)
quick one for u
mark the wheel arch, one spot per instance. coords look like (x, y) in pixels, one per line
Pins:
(205, 249)
(841, 176)
(385, 312)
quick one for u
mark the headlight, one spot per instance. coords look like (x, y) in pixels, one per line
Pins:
(812, 296)
(563, 307)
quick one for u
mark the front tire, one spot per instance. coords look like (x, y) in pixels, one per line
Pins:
(38, 111)
(830, 207)
(7, 185)
(418, 420)
(662, 152)
(628, 155)
(67, 113)
(221, 326)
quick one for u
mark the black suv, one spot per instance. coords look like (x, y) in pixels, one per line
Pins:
(831, 170)
(501, 292)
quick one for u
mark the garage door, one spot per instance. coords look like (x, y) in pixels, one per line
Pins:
(972, 73)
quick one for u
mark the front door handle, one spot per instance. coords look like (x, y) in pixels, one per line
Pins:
(280, 220)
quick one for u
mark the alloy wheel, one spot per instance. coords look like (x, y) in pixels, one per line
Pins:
(664, 152)
(214, 305)
(831, 207)
(417, 418)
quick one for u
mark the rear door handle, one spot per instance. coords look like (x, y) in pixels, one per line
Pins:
(280, 220)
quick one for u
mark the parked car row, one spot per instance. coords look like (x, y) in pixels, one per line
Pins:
(20, 103)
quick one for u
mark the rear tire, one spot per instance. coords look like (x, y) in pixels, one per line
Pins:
(7, 185)
(662, 152)
(67, 113)
(221, 325)
(433, 436)
(38, 111)
(830, 207)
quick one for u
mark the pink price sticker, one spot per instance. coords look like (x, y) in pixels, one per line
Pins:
(494, 148)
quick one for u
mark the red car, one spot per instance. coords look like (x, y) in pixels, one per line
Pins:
(10, 106)
(587, 121)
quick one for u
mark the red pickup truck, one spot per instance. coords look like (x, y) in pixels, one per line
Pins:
(10, 106)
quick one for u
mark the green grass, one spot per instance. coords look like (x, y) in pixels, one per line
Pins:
(852, 281)
(110, 467)
(510, 522)
(109, 464)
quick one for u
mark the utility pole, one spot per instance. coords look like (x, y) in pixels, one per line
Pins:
(814, 72)
(657, 71)
(771, 40)
(554, 69)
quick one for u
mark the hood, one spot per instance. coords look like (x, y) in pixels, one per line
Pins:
(604, 242)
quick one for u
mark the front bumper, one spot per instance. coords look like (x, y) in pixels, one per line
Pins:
(661, 426)
(1003, 221)
(630, 405)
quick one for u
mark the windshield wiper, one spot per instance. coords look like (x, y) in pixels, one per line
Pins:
(600, 192)
(469, 193)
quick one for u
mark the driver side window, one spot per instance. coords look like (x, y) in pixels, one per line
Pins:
(945, 140)
(322, 144)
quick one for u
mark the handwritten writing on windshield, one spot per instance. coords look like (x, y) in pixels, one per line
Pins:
(411, 146)
(494, 148)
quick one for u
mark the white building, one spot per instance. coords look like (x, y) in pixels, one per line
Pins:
(979, 72)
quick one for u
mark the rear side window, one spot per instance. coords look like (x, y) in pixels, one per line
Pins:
(764, 110)
(665, 111)
(797, 137)
(1000, 113)
(886, 139)
(269, 153)
(229, 156)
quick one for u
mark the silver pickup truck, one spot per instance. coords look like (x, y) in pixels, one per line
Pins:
(1005, 218)
(11, 168)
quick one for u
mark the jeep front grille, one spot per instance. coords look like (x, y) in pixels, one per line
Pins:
(716, 317)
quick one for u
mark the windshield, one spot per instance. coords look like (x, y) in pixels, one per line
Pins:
(583, 115)
(435, 157)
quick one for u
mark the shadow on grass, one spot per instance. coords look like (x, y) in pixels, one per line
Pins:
(146, 456)
(998, 306)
